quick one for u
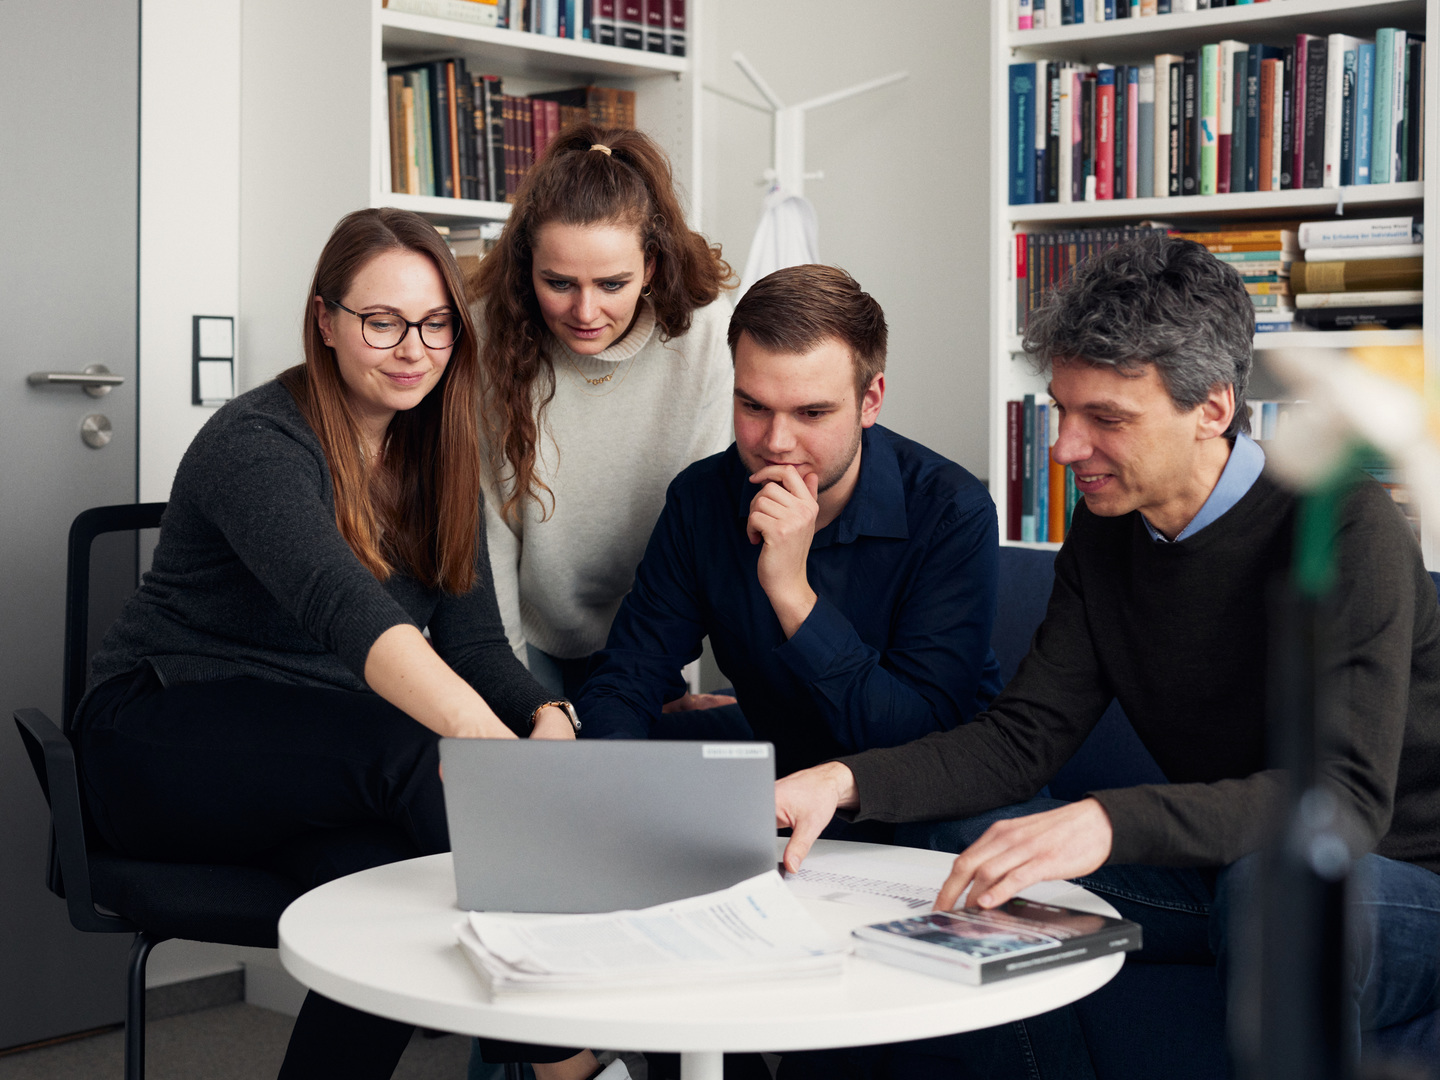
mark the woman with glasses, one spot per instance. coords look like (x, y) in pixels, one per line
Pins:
(267, 697)
(605, 372)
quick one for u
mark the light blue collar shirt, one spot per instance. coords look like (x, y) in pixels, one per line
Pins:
(1247, 462)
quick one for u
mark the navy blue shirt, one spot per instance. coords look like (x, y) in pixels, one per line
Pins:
(896, 647)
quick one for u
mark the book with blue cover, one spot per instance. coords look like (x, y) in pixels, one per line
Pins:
(1022, 134)
(1364, 104)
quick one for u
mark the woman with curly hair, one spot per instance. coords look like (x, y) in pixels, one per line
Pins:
(604, 373)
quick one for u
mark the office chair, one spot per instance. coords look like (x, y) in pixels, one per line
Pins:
(108, 893)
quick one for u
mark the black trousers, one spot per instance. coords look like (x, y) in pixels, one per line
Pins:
(310, 782)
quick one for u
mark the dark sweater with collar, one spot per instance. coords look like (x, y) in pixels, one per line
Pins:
(1178, 633)
(251, 577)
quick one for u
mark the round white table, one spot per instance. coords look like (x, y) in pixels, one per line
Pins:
(383, 941)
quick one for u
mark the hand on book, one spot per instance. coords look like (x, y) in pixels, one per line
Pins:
(1017, 852)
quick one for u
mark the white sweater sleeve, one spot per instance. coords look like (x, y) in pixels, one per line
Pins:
(505, 542)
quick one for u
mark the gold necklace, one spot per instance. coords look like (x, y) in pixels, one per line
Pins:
(603, 378)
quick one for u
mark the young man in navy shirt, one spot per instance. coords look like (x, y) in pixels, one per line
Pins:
(845, 575)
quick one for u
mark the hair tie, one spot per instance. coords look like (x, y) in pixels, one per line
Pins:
(601, 147)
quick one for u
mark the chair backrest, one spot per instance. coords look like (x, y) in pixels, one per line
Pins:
(90, 524)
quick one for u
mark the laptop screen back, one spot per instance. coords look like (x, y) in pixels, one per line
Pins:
(606, 824)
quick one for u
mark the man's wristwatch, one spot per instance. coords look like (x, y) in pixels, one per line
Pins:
(565, 707)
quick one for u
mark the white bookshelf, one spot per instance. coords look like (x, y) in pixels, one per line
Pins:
(666, 92)
(1137, 41)
(315, 133)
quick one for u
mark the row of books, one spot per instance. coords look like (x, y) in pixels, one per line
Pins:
(1328, 111)
(1046, 14)
(652, 25)
(1040, 495)
(1263, 255)
(1341, 273)
(1043, 259)
(458, 135)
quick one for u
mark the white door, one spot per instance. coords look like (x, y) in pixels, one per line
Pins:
(69, 175)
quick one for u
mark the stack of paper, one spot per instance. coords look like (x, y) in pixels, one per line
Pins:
(750, 931)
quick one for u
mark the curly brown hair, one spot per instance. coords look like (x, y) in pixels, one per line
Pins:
(573, 185)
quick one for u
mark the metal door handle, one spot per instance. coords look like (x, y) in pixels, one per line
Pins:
(96, 379)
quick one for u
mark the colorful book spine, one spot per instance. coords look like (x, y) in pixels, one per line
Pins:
(1145, 133)
(1383, 129)
(1239, 139)
(1027, 470)
(1190, 125)
(1208, 73)
(1042, 472)
(1022, 134)
(1104, 156)
(1133, 129)
(676, 36)
(1014, 491)
(1317, 66)
(1057, 516)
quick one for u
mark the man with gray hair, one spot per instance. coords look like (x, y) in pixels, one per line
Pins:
(1159, 601)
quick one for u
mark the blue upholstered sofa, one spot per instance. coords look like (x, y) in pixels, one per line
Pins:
(1152, 1020)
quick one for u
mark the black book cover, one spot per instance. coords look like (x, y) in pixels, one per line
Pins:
(1052, 134)
(655, 26)
(1345, 318)
(492, 90)
(1122, 124)
(1288, 120)
(440, 130)
(1414, 104)
(1087, 133)
(1177, 79)
(1347, 125)
(1239, 115)
(465, 133)
(1190, 135)
(1254, 57)
(1317, 62)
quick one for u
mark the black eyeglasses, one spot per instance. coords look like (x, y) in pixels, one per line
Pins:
(385, 329)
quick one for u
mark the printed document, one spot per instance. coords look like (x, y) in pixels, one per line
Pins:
(756, 929)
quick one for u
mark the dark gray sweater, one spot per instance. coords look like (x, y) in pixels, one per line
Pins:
(1179, 634)
(251, 577)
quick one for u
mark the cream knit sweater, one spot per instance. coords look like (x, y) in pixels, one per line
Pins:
(608, 453)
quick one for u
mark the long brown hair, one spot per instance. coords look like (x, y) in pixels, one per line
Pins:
(418, 510)
(573, 185)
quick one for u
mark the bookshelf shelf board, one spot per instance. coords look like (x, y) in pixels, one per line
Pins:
(1252, 204)
(407, 38)
(1303, 339)
(1033, 545)
(1121, 40)
(444, 211)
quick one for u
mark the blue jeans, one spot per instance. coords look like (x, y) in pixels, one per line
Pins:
(1187, 914)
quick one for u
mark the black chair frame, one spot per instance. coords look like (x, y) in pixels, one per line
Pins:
(103, 891)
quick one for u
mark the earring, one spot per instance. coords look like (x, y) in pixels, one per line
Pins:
(645, 291)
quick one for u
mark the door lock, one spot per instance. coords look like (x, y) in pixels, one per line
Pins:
(95, 429)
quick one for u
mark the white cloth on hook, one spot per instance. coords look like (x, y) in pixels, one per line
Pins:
(787, 236)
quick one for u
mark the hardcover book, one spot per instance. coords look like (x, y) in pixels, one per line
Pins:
(977, 946)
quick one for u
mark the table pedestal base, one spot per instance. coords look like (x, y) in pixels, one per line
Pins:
(702, 1066)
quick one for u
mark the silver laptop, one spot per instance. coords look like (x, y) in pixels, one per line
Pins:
(605, 824)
